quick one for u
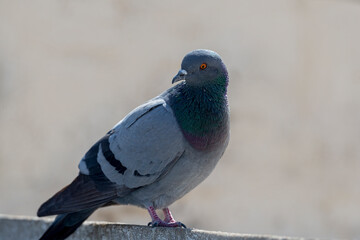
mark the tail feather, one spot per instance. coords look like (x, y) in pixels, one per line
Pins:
(65, 224)
(81, 194)
(74, 204)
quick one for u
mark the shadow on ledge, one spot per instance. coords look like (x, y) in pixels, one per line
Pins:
(31, 228)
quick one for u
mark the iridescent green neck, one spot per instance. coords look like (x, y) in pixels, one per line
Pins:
(202, 112)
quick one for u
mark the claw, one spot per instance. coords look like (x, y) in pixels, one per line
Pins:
(182, 225)
(153, 224)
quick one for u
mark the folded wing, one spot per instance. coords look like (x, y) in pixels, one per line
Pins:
(138, 151)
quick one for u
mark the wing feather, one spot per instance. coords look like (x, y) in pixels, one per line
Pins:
(138, 150)
(147, 144)
(80, 195)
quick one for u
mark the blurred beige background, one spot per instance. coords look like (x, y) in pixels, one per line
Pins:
(69, 70)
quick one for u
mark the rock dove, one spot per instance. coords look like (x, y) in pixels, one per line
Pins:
(155, 155)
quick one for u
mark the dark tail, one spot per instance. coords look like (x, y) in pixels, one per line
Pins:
(65, 224)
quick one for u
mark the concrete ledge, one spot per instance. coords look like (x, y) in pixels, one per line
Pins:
(31, 228)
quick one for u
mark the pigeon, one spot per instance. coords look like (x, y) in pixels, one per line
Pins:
(156, 154)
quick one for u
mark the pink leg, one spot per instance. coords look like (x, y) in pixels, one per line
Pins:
(168, 217)
(169, 221)
(154, 217)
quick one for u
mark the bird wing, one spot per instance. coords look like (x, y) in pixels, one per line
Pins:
(139, 149)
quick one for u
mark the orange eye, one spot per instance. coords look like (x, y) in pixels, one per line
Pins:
(203, 66)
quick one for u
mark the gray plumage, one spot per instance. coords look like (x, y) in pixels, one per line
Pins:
(159, 151)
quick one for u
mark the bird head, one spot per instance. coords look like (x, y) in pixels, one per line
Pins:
(201, 67)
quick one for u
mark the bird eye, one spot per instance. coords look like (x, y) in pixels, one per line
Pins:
(203, 66)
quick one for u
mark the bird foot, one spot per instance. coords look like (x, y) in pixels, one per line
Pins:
(166, 224)
(169, 221)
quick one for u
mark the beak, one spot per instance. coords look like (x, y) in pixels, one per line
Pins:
(180, 76)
